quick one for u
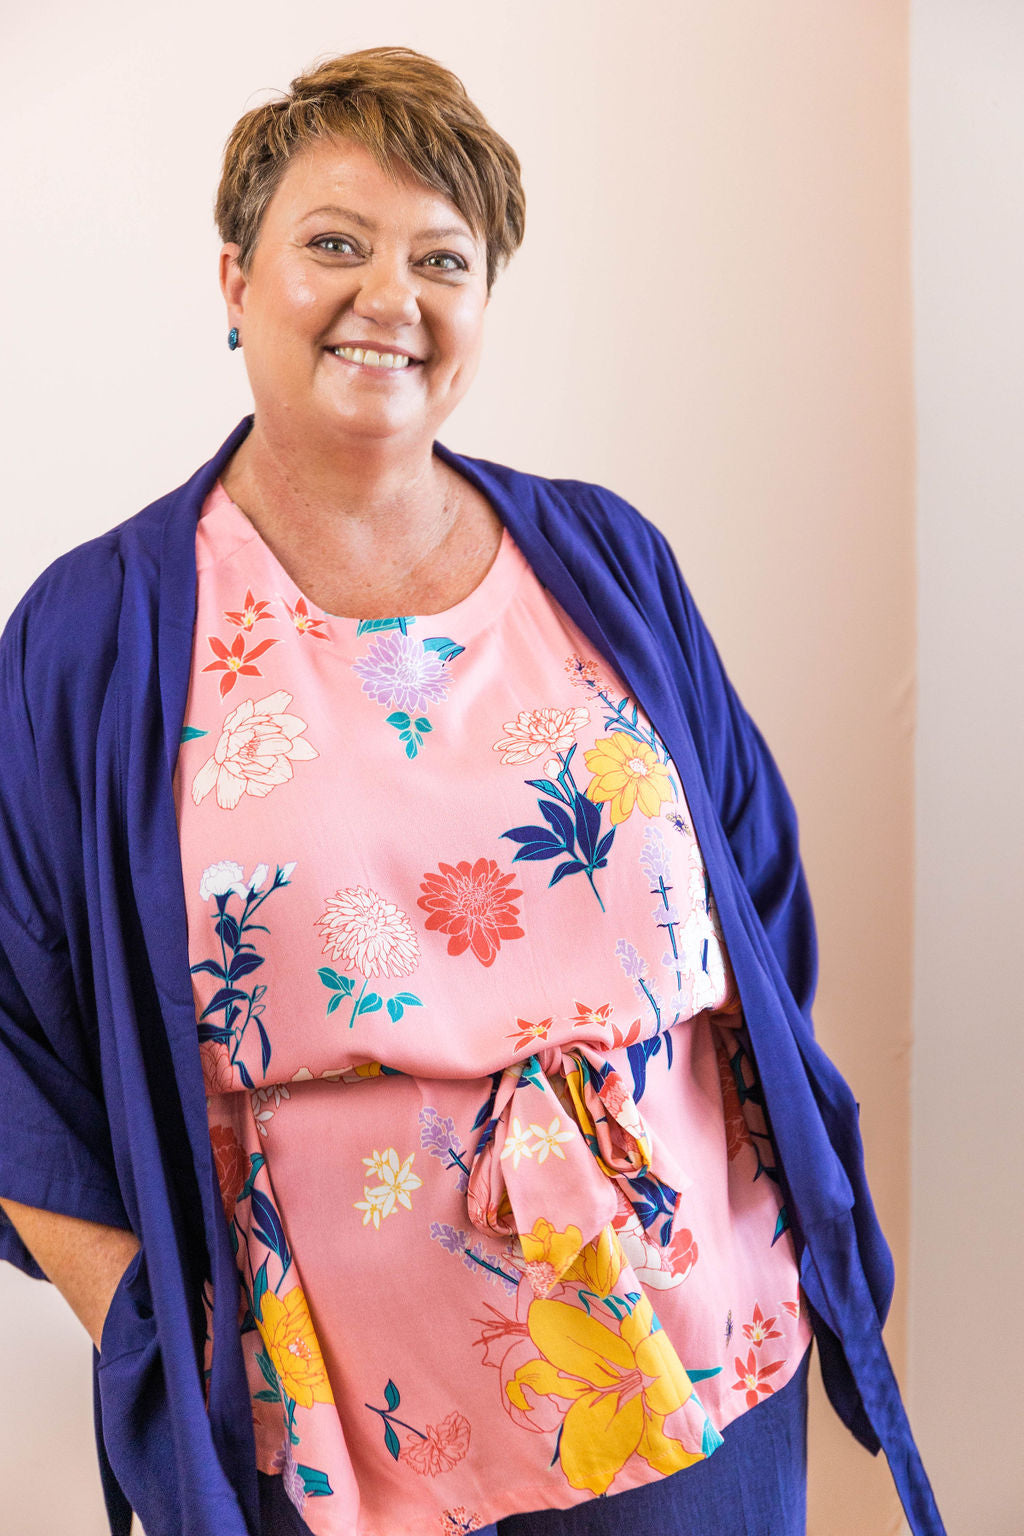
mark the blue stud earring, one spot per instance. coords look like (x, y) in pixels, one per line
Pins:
(233, 340)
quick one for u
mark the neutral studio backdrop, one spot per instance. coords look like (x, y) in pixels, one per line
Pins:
(770, 294)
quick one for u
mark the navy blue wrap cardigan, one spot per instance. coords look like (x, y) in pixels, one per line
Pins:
(102, 1102)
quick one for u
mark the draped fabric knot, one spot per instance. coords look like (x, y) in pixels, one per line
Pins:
(562, 1146)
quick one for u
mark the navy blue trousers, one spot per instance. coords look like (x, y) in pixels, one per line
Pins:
(753, 1485)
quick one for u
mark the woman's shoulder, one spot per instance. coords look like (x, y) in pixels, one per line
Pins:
(581, 513)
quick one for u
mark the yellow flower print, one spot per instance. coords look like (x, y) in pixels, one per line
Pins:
(287, 1331)
(548, 1252)
(621, 1385)
(597, 1267)
(627, 773)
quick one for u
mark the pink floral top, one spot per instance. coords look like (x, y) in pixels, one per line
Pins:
(484, 1111)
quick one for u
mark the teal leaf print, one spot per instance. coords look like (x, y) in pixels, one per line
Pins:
(781, 1225)
(392, 1398)
(192, 733)
(266, 1365)
(398, 1004)
(374, 626)
(259, 1290)
(314, 1481)
(330, 978)
(445, 648)
(370, 1003)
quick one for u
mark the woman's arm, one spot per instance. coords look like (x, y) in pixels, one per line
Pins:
(84, 1259)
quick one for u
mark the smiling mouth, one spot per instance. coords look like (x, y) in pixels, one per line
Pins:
(356, 357)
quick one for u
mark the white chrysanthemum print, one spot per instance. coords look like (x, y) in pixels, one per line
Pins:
(536, 731)
(257, 746)
(219, 879)
(368, 933)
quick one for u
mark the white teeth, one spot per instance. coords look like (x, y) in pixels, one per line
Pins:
(373, 359)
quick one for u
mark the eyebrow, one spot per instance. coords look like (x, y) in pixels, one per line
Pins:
(438, 233)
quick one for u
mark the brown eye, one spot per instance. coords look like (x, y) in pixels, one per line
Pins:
(323, 241)
(449, 256)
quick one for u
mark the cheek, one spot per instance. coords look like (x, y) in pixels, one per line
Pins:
(297, 305)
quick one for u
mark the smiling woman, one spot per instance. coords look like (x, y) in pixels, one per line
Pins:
(478, 1163)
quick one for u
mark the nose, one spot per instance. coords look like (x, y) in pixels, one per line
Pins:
(387, 293)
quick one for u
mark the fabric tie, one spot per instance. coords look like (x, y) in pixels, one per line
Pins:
(562, 1142)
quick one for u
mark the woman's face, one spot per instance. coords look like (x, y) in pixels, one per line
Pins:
(347, 257)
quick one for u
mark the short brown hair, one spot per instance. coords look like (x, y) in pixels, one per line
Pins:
(408, 110)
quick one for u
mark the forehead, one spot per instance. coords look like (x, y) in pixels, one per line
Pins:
(339, 174)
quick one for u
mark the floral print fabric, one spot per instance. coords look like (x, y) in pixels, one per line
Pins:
(487, 1126)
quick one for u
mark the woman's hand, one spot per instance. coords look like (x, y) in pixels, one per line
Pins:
(84, 1260)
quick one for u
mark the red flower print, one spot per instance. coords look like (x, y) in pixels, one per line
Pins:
(761, 1328)
(737, 1136)
(527, 1033)
(232, 1163)
(473, 904)
(614, 1094)
(218, 1073)
(682, 1251)
(626, 1037)
(753, 1381)
(590, 1018)
(235, 662)
(304, 621)
(251, 613)
(444, 1447)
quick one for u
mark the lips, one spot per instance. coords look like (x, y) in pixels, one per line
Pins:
(414, 362)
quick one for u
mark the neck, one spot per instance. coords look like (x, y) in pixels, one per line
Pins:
(354, 497)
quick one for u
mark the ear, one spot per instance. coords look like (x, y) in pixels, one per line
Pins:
(233, 284)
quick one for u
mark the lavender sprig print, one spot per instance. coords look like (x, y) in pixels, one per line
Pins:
(456, 1242)
(635, 967)
(654, 861)
(238, 958)
(438, 1137)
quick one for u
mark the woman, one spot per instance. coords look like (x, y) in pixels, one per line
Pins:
(408, 1074)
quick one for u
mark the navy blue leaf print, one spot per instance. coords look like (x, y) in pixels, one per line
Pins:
(215, 1032)
(559, 820)
(588, 825)
(604, 845)
(267, 1226)
(537, 843)
(226, 928)
(570, 867)
(245, 960)
(209, 967)
(221, 999)
(637, 1058)
(243, 1073)
(264, 1045)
